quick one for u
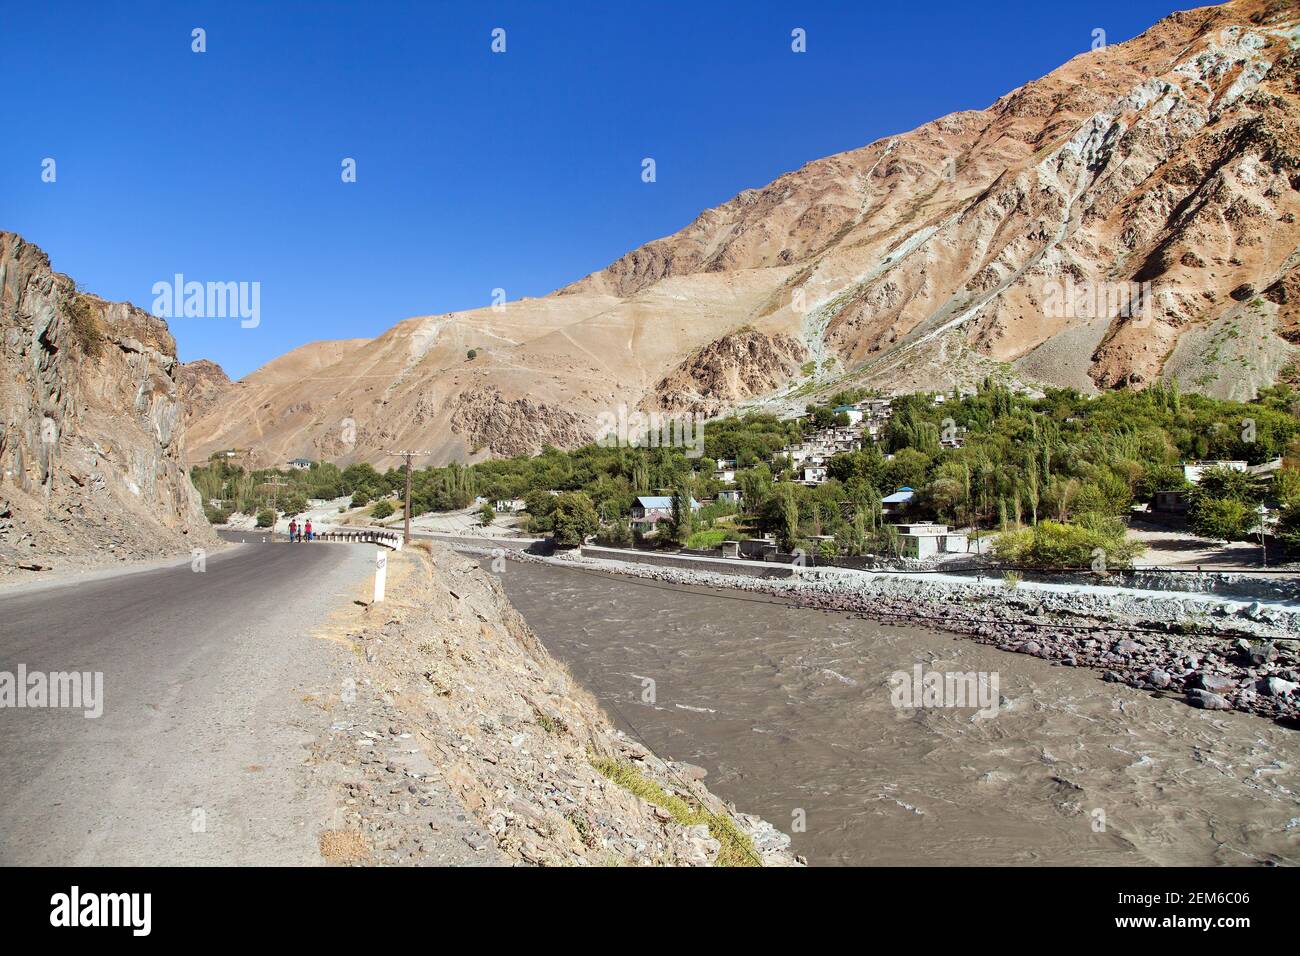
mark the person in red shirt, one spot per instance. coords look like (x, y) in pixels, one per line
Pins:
(308, 529)
(293, 529)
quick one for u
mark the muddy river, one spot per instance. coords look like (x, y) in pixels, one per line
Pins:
(794, 715)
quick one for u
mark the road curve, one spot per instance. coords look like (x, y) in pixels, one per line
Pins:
(209, 678)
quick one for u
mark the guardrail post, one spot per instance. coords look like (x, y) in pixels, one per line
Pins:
(381, 573)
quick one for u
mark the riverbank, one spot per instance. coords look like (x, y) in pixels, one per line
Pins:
(1216, 655)
(452, 696)
(794, 716)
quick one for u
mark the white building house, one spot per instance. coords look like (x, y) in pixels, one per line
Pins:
(814, 475)
(1192, 470)
(924, 539)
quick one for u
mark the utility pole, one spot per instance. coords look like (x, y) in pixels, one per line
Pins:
(408, 455)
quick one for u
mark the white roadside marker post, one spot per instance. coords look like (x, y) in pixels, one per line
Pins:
(381, 573)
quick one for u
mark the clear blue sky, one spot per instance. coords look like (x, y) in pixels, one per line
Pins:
(475, 170)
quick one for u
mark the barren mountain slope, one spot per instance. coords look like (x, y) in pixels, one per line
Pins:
(1168, 165)
(92, 443)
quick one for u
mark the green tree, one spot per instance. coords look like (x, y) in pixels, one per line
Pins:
(788, 509)
(486, 515)
(383, 509)
(1223, 519)
(266, 518)
(574, 519)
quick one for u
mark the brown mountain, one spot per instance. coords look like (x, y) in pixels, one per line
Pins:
(1129, 216)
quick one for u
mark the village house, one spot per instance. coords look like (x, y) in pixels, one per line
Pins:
(898, 502)
(1192, 470)
(814, 475)
(924, 539)
(507, 505)
(649, 510)
(300, 464)
(730, 495)
(725, 474)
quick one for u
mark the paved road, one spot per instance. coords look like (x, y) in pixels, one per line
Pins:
(198, 757)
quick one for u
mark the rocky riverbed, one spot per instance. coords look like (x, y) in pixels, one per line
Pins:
(1220, 656)
(459, 739)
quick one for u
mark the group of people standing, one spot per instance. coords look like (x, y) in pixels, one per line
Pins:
(299, 532)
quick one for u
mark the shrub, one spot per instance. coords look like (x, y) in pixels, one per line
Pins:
(1224, 519)
(706, 540)
(216, 515)
(486, 515)
(615, 535)
(266, 518)
(1052, 544)
(361, 497)
(382, 509)
(85, 324)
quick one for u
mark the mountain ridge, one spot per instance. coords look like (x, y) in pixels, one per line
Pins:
(1169, 163)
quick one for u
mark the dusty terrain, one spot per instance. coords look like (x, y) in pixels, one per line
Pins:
(92, 441)
(983, 243)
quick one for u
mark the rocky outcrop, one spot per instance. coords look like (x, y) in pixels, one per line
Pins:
(487, 420)
(737, 366)
(455, 697)
(92, 439)
(203, 385)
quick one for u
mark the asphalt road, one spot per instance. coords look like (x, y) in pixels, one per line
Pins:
(199, 756)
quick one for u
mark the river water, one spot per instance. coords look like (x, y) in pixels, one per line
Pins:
(791, 712)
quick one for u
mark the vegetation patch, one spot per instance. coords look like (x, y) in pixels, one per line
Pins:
(86, 330)
(737, 847)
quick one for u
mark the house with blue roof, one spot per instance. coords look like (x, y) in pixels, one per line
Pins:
(898, 502)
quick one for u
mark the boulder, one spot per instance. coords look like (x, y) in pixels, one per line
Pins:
(1206, 700)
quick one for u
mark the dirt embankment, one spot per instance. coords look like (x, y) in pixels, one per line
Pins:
(459, 739)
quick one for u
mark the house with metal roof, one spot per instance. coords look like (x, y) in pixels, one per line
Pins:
(898, 502)
(649, 510)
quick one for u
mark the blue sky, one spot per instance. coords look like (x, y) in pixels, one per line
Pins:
(475, 170)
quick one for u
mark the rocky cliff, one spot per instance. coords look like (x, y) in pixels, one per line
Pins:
(1130, 216)
(203, 385)
(92, 441)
